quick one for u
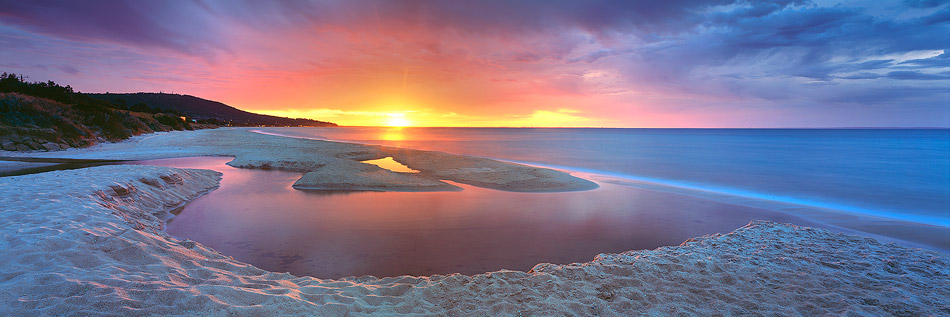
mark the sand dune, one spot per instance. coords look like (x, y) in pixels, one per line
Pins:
(90, 241)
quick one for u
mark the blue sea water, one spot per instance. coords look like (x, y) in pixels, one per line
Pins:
(901, 174)
(658, 187)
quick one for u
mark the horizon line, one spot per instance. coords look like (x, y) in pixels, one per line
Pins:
(670, 128)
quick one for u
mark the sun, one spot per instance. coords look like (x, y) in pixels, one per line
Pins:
(397, 121)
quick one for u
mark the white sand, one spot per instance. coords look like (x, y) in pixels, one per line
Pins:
(89, 241)
(332, 165)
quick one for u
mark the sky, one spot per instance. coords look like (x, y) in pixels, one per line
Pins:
(513, 63)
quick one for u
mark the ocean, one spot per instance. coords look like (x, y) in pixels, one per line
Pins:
(658, 187)
(902, 174)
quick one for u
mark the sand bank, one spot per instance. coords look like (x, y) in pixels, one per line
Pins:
(333, 165)
(90, 241)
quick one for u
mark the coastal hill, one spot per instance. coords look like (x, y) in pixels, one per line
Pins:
(203, 110)
(48, 116)
(33, 123)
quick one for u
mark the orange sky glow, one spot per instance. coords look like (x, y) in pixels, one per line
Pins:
(519, 63)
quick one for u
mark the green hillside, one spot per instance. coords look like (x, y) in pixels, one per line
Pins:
(47, 116)
(204, 110)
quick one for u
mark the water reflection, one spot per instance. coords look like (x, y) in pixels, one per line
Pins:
(904, 173)
(390, 164)
(393, 134)
(256, 217)
(327, 192)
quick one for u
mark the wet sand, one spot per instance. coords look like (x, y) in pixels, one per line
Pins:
(331, 165)
(92, 241)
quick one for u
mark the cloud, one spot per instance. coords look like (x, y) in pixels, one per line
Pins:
(939, 61)
(197, 27)
(775, 52)
(913, 75)
(560, 118)
(68, 69)
(498, 58)
(924, 3)
(430, 117)
(178, 26)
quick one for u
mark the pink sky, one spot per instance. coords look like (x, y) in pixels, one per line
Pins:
(506, 63)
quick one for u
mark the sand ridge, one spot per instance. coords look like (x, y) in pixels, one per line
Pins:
(333, 165)
(88, 241)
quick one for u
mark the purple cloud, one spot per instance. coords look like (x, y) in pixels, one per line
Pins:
(177, 25)
(752, 53)
(68, 69)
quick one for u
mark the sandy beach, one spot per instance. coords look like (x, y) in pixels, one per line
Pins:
(332, 165)
(91, 241)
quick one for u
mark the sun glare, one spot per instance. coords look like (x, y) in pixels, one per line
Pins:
(398, 121)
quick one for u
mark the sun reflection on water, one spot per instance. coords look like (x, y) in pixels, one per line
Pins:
(391, 164)
(394, 134)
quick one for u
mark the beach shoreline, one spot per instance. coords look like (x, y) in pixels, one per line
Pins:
(331, 165)
(91, 241)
